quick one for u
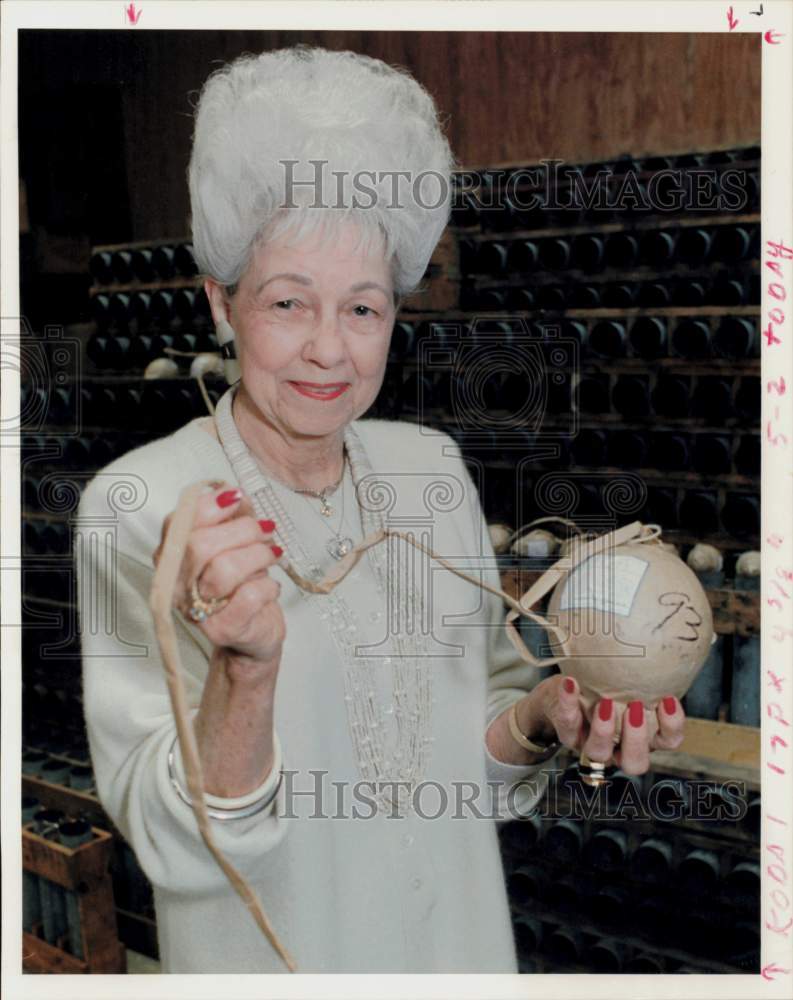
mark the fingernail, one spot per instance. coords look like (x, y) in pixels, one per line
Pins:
(278, 551)
(670, 705)
(636, 714)
(227, 498)
(604, 709)
(268, 527)
(569, 685)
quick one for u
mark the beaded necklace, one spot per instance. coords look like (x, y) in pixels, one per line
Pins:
(392, 742)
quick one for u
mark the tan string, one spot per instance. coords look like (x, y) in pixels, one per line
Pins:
(161, 603)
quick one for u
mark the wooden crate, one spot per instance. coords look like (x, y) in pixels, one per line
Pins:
(83, 870)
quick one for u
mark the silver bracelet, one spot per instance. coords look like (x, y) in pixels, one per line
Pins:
(242, 812)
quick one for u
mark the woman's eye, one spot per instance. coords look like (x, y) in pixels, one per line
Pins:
(363, 311)
(285, 304)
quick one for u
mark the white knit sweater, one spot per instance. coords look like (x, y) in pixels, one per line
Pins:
(376, 895)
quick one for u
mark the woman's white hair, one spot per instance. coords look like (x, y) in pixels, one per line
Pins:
(301, 138)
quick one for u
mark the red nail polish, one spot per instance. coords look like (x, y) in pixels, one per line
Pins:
(268, 527)
(569, 685)
(670, 705)
(277, 550)
(636, 714)
(604, 709)
(227, 498)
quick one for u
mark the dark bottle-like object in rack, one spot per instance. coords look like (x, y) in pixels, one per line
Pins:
(100, 310)
(735, 338)
(491, 299)
(163, 262)
(691, 339)
(586, 252)
(661, 507)
(712, 454)
(607, 849)
(589, 447)
(657, 247)
(726, 291)
(631, 396)
(628, 449)
(747, 455)
(554, 253)
(563, 840)
(671, 396)
(605, 955)
(698, 512)
(607, 338)
(584, 296)
(120, 310)
(522, 256)
(184, 261)
(403, 340)
(648, 337)
(693, 245)
(161, 308)
(740, 515)
(141, 265)
(140, 309)
(551, 297)
(712, 399)
(528, 934)
(671, 451)
(184, 305)
(520, 299)
(491, 257)
(122, 267)
(653, 295)
(618, 295)
(563, 945)
(593, 394)
(621, 251)
(101, 267)
(748, 398)
(652, 861)
(689, 293)
(698, 872)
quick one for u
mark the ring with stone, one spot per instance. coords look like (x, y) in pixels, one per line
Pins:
(203, 608)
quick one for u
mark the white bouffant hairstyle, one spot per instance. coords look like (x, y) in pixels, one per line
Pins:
(364, 120)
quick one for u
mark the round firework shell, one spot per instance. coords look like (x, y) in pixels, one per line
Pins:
(635, 625)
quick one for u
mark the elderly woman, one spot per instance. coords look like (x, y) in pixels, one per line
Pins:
(347, 739)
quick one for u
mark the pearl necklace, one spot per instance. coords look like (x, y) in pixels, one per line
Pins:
(391, 742)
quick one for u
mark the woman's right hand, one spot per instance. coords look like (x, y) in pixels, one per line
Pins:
(229, 554)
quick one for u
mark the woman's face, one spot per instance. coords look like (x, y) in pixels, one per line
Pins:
(313, 322)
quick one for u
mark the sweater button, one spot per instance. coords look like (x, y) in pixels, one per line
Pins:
(407, 840)
(416, 883)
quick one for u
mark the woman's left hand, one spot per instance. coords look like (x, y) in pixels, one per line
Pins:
(554, 706)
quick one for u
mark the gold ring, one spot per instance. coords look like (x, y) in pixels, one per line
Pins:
(592, 772)
(201, 608)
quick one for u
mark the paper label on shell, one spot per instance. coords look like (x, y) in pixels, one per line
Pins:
(605, 583)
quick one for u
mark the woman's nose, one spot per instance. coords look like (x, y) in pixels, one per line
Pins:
(325, 343)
